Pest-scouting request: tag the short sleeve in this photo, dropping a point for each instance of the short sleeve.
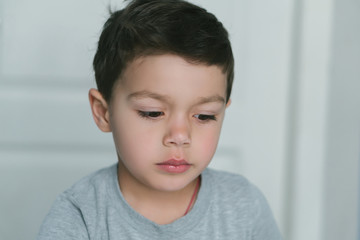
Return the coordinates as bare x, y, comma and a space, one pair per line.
64, 221
264, 225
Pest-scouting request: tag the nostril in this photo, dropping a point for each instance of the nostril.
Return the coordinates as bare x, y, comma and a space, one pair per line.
178, 134
178, 141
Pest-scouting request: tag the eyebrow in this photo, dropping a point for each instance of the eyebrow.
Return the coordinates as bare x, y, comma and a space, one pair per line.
165, 98
215, 98
147, 94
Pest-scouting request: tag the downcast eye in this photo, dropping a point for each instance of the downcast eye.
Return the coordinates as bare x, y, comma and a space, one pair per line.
205, 117
150, 114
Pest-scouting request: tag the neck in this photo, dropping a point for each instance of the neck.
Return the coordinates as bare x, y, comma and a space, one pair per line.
157, 206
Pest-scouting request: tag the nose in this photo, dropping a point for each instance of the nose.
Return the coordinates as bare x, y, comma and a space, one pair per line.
178, 133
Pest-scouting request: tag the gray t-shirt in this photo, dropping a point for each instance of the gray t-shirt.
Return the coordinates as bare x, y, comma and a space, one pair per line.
227, 207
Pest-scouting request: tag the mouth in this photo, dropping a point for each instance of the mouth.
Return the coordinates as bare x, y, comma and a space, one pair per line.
174, 166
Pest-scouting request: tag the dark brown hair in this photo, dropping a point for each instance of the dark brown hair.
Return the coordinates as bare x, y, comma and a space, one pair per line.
152, 27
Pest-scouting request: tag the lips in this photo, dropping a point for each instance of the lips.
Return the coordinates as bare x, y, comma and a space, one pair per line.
174, 166
174, 162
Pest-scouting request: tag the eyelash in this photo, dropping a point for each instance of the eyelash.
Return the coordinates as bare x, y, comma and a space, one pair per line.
205, 117
154, 115
150, 115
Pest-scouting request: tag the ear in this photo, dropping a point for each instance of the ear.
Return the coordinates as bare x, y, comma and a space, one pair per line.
228, 103
100, 110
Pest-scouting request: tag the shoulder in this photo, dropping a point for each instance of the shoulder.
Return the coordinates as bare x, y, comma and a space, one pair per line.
223, 175
89, 191
235, 188
235, 194
94, 182
75, 209
226, 183
236, 198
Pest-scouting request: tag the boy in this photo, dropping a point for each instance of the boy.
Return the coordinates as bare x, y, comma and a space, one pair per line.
164, 71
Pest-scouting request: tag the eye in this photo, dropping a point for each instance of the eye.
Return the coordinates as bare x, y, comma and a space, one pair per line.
205, 117
151, 115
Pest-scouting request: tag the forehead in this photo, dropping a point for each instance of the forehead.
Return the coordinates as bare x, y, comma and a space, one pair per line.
159, 71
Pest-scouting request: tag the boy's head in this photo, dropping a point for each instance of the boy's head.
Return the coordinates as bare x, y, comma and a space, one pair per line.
164, 70
156, 27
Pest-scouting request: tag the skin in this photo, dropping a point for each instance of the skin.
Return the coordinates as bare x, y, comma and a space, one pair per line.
162, 108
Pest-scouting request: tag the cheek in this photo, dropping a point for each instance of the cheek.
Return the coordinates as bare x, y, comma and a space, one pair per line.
208, 141
210, 144
135, 141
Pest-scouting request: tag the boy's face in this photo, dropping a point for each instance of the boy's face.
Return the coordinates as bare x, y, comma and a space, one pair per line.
166, 116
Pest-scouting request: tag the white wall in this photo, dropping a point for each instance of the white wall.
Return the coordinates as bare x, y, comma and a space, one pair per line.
292, 129
47, 137
324, 187
343, 128
309, 140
